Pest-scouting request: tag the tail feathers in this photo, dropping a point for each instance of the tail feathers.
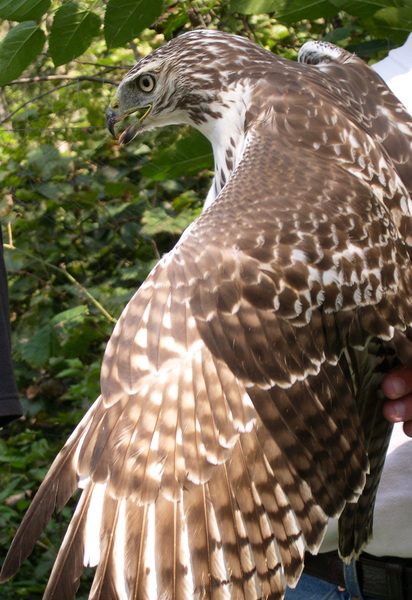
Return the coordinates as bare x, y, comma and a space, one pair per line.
109, 582
65, 576
356, 521
237, 536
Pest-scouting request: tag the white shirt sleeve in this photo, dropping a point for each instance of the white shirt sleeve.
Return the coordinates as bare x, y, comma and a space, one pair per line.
396, 71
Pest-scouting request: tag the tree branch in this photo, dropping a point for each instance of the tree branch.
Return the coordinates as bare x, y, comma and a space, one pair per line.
37, 79
63, 270
58, 87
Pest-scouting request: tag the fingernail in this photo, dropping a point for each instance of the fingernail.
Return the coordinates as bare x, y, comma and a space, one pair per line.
397, 386
398, 411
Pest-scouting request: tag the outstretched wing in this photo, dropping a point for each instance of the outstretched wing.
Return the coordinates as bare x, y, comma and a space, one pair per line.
232, 423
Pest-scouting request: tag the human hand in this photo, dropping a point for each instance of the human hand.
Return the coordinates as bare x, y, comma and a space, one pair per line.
397, 387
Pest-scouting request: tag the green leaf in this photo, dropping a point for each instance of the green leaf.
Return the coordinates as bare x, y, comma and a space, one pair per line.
371, 47
73, 28
158, 220
298, 10
36, 349
289, 11
69, 317
392, 23
187, 156
23, 10
256, 7
19, 48
362, 8
125, 19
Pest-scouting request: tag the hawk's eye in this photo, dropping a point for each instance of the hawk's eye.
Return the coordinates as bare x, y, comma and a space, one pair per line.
146, 83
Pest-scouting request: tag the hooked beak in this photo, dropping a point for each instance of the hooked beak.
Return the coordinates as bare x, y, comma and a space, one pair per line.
113, 117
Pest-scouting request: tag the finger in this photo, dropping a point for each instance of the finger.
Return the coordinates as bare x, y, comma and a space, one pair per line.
407, 427
398, 410
398, 383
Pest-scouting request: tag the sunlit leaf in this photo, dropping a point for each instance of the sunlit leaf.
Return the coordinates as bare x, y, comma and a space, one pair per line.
158, 220
257, 7
289, 11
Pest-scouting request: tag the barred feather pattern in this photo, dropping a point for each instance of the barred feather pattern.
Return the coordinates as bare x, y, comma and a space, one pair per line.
240, 405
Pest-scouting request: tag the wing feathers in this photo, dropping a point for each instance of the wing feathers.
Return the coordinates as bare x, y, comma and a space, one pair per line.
65, 576
234, 418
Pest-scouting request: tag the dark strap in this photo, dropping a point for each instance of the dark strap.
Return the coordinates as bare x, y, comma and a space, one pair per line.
387, 578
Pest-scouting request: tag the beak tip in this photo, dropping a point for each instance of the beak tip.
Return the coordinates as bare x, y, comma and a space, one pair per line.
111, 120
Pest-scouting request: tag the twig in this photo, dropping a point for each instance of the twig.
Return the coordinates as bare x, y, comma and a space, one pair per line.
135, 51
9, 233
58, 87
67, 275
248, 29
38, 78
41, 280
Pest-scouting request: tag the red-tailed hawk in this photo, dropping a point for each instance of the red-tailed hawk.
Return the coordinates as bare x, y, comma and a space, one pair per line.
240, 403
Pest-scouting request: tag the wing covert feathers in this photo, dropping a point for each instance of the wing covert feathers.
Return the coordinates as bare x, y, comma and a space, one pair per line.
239, 407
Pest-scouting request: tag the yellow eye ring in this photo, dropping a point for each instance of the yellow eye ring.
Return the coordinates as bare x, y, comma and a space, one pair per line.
146, 83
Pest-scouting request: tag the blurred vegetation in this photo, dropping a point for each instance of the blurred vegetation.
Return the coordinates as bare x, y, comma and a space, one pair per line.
83, 220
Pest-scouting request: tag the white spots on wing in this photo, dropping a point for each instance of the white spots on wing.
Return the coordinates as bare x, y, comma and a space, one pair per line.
339, 301
260, 240
357, 296
83, 481
320, 297
141, 337
93, 523
299, 256
167, 321
156, 397
406, 206
396, 276
297, 307
331, 276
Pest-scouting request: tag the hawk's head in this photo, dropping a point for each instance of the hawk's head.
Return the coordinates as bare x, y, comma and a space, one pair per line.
185, 81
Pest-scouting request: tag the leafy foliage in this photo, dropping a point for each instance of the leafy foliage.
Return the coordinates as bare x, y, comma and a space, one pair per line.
125, 20
74, 27
19, 48
84, 220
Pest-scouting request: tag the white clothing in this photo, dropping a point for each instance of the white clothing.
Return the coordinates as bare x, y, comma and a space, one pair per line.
396, 71
392, 524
